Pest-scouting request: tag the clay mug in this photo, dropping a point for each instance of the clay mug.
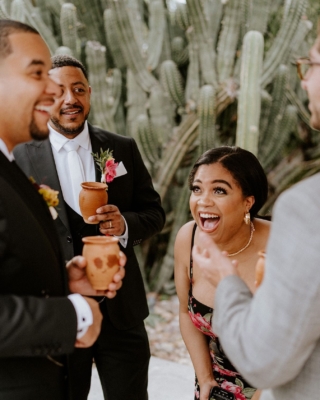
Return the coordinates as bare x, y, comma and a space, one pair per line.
259, 273
102, 255
92, 196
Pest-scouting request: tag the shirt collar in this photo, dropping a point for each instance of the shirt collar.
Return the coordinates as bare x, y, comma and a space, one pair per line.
5, 151
57, 140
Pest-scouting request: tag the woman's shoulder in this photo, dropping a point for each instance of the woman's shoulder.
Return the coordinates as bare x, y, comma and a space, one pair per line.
184, 236
185, 232
262, 230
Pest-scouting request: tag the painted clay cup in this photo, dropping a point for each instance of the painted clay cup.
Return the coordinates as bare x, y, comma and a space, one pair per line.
102, 254
92, 196
259, 273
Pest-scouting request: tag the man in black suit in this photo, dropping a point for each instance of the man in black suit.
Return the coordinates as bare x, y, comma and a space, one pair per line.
133, 214
39, 324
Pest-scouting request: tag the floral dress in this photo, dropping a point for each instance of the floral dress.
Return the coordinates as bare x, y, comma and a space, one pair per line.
224, 372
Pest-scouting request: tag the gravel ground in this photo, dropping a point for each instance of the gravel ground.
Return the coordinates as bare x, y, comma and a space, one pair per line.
163, 329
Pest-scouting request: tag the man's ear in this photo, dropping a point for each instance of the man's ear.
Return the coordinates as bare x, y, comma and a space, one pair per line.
90, 90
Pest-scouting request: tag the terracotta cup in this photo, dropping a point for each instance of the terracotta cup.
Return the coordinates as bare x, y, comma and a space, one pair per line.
102, 255
92, 196
260, 268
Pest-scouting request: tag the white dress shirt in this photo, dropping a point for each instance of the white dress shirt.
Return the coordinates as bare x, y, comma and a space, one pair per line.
81, 306
57, 141
5, 151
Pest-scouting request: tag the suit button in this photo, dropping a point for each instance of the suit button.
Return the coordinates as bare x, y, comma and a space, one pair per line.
69, 239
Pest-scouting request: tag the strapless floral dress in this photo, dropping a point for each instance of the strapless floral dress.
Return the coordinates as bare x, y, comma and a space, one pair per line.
224, 372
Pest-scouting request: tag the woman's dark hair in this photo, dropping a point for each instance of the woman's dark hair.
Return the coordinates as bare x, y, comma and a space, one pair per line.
245, 169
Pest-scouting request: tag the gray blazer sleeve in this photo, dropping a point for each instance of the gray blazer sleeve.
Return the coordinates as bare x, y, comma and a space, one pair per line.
270, 336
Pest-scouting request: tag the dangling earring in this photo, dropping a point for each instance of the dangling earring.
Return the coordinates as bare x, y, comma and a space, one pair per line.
247, 218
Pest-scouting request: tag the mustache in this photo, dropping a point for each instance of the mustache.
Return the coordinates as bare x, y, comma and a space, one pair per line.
66, 109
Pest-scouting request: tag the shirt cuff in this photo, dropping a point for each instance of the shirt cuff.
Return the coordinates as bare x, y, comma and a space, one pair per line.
84, 313
123, 239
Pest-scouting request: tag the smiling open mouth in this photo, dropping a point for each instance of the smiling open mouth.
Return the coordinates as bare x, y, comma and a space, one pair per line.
209, 221
71, 111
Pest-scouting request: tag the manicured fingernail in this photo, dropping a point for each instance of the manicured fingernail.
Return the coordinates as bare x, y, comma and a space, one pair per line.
91, 219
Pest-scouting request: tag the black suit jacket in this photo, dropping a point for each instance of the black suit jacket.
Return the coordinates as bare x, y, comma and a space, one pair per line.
132, 193
35, 319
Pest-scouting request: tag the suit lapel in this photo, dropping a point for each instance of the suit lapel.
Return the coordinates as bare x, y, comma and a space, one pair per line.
43, 164
97, 144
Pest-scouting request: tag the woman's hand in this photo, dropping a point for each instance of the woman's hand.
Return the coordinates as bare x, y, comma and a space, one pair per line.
205, 388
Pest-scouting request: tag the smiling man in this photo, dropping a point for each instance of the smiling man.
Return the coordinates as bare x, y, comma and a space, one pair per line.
133, 214
273, 337
39, 323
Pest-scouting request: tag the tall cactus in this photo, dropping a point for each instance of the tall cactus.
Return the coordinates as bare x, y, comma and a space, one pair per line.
207, 117
250, 97
68, 23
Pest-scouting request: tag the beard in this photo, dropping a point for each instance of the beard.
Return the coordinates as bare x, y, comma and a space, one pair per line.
69, 131
36, 133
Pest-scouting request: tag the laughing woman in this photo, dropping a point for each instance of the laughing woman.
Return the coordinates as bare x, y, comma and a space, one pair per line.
228, 188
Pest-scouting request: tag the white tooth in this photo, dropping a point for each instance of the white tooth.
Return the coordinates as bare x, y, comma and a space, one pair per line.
205, 215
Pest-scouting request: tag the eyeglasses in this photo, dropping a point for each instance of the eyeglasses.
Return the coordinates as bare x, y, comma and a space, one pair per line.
303, 66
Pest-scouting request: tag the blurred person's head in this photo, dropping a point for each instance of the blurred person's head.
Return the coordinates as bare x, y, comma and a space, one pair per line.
26, 91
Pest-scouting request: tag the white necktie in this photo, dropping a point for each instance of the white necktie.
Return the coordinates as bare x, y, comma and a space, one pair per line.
76, 172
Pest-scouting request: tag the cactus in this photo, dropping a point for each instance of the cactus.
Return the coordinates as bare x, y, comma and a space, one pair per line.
281, 45
68, 23
207, 117
111, 38
258, 15
179, 51
287, 125
157, 30
228, 40
147, 140
249, 97
172, 81
279, 102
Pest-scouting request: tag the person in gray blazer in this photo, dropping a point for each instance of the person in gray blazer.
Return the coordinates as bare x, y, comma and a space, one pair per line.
273, 337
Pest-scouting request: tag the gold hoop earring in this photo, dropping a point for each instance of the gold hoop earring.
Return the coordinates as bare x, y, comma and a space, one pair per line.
247, 218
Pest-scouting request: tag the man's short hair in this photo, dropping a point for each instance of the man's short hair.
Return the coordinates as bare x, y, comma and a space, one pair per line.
64, 60
7, 28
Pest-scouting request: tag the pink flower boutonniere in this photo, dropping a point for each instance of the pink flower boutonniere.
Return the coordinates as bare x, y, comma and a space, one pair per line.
49, 195
106, 164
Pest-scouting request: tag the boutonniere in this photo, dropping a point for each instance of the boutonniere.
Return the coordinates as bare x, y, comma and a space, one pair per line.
49, 195
106, 164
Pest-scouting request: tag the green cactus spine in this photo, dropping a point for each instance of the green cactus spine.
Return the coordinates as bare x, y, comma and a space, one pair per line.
287, 125
281, 45
147, 140
279, 102
182, 16
171, 80
129, 47
228, 39
207, 116
68, 24
156, 35
175, 151
110, 27
180, 54
247, 135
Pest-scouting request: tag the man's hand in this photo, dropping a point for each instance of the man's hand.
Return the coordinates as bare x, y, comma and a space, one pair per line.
213, 264
78, 281
110, 220
93, 331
